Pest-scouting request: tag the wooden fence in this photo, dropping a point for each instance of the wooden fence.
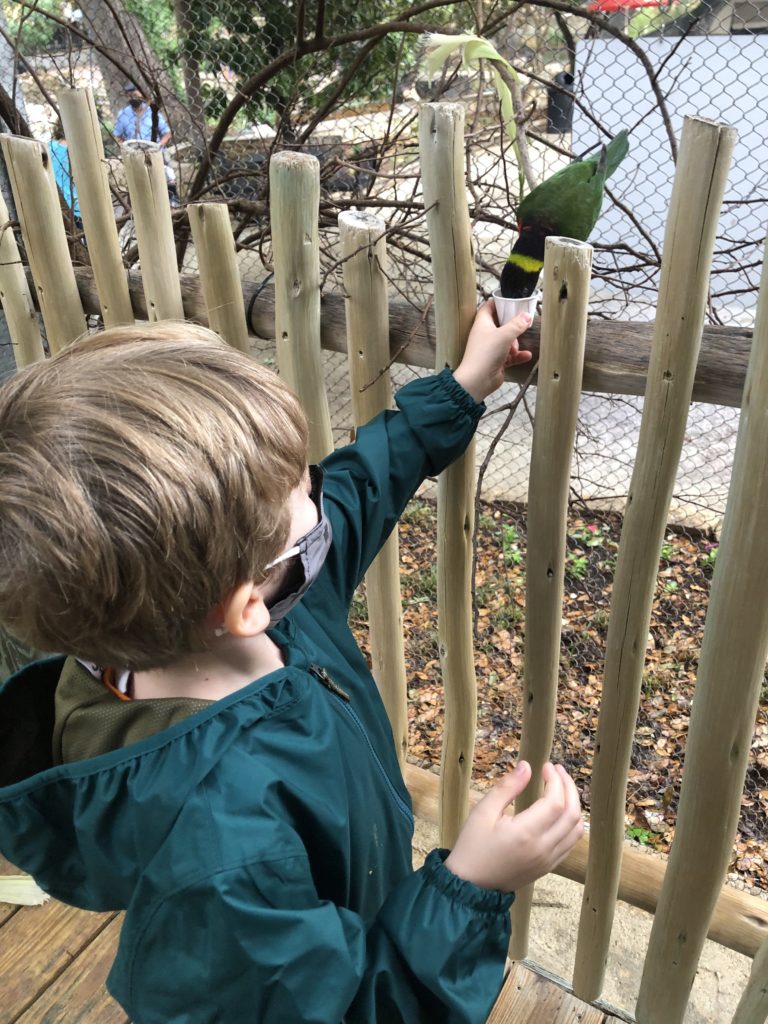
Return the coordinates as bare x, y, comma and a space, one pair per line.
687, 895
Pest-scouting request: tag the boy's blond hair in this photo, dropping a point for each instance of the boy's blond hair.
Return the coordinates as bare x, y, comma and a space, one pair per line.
144, 472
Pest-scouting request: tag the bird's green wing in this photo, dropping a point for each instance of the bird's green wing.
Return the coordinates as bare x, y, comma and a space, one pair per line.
568, 203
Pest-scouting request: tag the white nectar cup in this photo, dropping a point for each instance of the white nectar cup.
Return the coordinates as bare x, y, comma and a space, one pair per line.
507, 309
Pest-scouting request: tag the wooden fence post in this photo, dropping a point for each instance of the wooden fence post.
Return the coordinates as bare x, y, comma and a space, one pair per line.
294, 197
731, 668
86, 155
753, 1005
702, 168
441, 147
37, 205
19, 309
567, 273
219, 272
151, 212
364, 250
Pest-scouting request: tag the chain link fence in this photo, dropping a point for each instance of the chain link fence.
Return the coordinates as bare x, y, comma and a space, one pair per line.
226, 84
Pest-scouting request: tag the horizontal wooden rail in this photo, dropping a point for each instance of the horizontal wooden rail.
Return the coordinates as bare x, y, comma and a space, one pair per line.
615, 360
739, 921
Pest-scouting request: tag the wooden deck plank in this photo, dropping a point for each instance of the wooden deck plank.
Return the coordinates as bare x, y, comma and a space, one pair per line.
527, 998
36, 945
78, 994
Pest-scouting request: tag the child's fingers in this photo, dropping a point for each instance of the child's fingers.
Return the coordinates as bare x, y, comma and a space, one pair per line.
505, 791
486, 314
548, 809
514, 328
517, 355
572, 799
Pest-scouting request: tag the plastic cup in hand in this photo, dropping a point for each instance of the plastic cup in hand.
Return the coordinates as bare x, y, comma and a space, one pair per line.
507, 309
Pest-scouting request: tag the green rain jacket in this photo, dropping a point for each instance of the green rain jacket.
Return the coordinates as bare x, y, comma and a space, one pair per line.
261, 846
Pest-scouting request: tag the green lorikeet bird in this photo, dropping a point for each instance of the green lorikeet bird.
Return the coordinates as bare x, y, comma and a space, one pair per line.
566, 204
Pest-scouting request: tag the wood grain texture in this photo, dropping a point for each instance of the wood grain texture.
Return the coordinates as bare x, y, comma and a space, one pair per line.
364, 251
729, 679
294, 196
80, 120
37, 204
16, 298
528, 998
702, 169
566, 279
441, 150
615, 358
36, 945
219, 274
79, 994
151, 211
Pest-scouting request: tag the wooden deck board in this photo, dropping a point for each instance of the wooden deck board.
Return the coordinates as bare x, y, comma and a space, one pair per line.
527, 998
78, 994
54, 961
37, 944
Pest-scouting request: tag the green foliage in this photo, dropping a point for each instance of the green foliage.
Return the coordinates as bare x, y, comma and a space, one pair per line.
709, 560
590, 536
423, 585
652, 20
418, 513
358, 610
157, 20
576, 565
667, 552
641, 835
34, 31
246, 37
510, 545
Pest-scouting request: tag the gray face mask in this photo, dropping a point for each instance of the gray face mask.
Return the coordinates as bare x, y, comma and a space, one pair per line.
307, 554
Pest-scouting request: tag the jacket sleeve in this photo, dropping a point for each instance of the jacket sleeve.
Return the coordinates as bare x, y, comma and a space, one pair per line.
256, 944
369, 483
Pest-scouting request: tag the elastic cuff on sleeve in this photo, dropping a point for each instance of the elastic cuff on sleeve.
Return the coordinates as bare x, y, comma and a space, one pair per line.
466, 403
489, 901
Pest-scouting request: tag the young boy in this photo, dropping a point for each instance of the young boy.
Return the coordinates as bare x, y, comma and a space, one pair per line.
211, 754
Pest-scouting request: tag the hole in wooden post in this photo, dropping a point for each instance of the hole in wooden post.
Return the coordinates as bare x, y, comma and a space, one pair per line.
667, 375
563, 291
550, 573
555, 375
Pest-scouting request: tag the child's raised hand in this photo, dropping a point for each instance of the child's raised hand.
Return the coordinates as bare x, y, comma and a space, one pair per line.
490, 349
499, 851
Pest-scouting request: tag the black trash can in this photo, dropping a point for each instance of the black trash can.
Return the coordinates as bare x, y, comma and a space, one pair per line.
560, 103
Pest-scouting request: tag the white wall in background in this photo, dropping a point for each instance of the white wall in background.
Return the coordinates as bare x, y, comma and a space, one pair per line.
724, 78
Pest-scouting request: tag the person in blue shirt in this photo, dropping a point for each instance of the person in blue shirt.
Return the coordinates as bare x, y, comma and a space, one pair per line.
135, 121
209, 752
62, 172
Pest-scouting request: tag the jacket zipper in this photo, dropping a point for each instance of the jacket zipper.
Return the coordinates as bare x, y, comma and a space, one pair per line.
346, 703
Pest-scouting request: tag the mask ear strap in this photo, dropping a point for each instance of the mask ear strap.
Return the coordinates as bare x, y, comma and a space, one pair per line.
282, 558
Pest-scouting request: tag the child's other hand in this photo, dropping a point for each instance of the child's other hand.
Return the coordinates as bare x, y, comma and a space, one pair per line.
490, 349
498, 851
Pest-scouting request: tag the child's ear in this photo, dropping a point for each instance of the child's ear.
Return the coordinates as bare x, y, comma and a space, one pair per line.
244, 612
